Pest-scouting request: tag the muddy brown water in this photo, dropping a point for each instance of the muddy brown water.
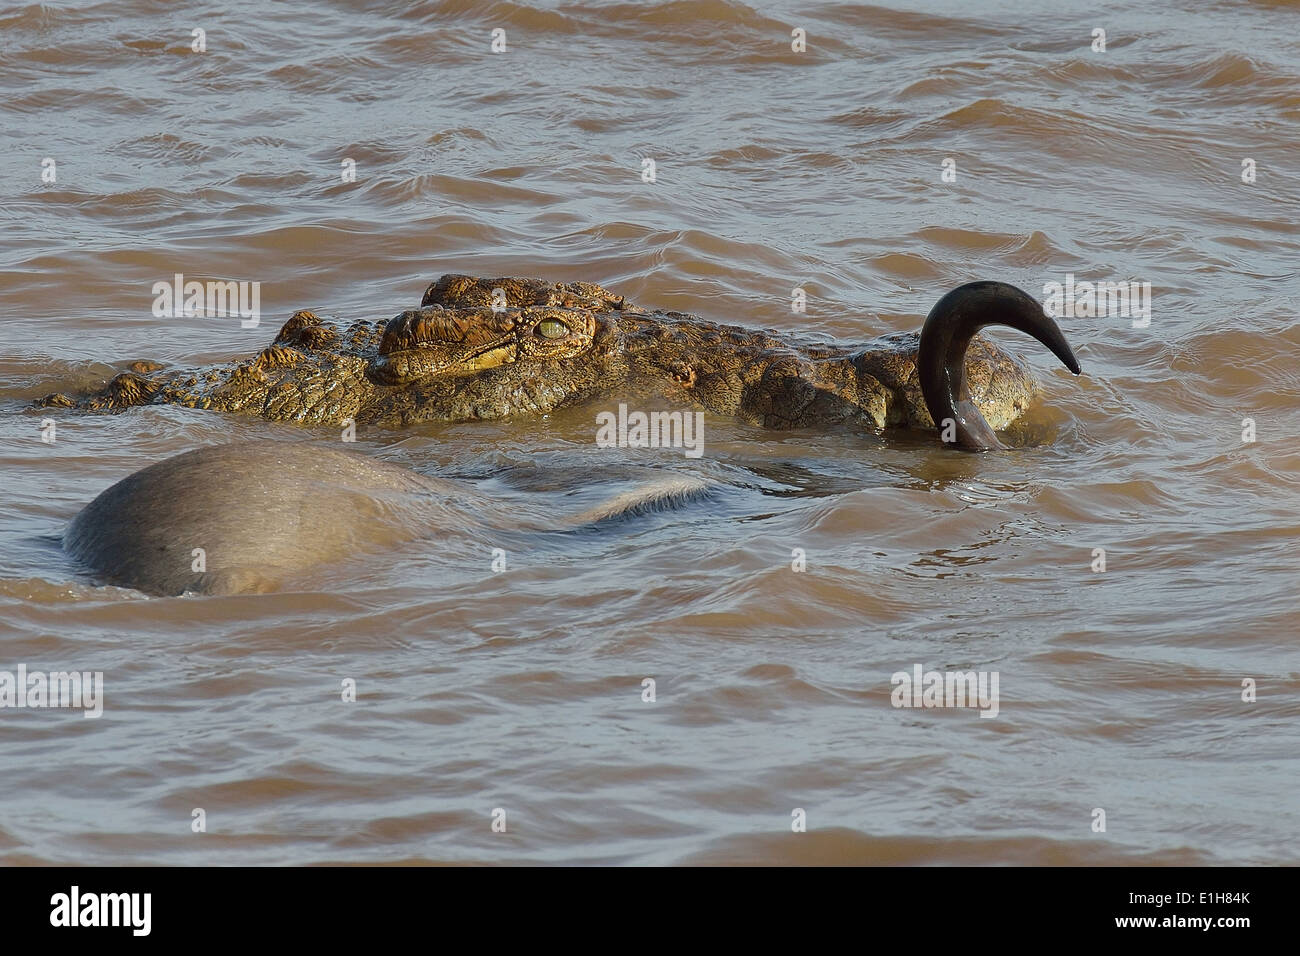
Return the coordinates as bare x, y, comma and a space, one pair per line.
1119, 690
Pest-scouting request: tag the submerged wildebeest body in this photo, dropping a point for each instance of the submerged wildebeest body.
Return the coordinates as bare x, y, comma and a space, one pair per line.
242, 517
253, 516
494, 348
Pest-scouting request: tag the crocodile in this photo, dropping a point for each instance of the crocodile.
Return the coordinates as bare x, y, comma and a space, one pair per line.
480, 348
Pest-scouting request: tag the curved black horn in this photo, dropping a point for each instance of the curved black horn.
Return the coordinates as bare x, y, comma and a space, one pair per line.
948, 329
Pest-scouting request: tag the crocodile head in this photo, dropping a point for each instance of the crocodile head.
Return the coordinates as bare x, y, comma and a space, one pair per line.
434, 341
490, 348
436, 364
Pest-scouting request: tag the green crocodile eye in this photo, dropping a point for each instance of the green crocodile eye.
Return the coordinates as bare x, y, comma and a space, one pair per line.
552, 329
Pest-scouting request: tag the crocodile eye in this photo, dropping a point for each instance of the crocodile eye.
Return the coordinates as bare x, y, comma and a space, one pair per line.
552, 329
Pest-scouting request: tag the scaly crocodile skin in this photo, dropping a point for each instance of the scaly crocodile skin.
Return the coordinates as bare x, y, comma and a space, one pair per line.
552, 345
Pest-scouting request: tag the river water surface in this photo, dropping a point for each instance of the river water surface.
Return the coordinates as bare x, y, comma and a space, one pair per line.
1169, 158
